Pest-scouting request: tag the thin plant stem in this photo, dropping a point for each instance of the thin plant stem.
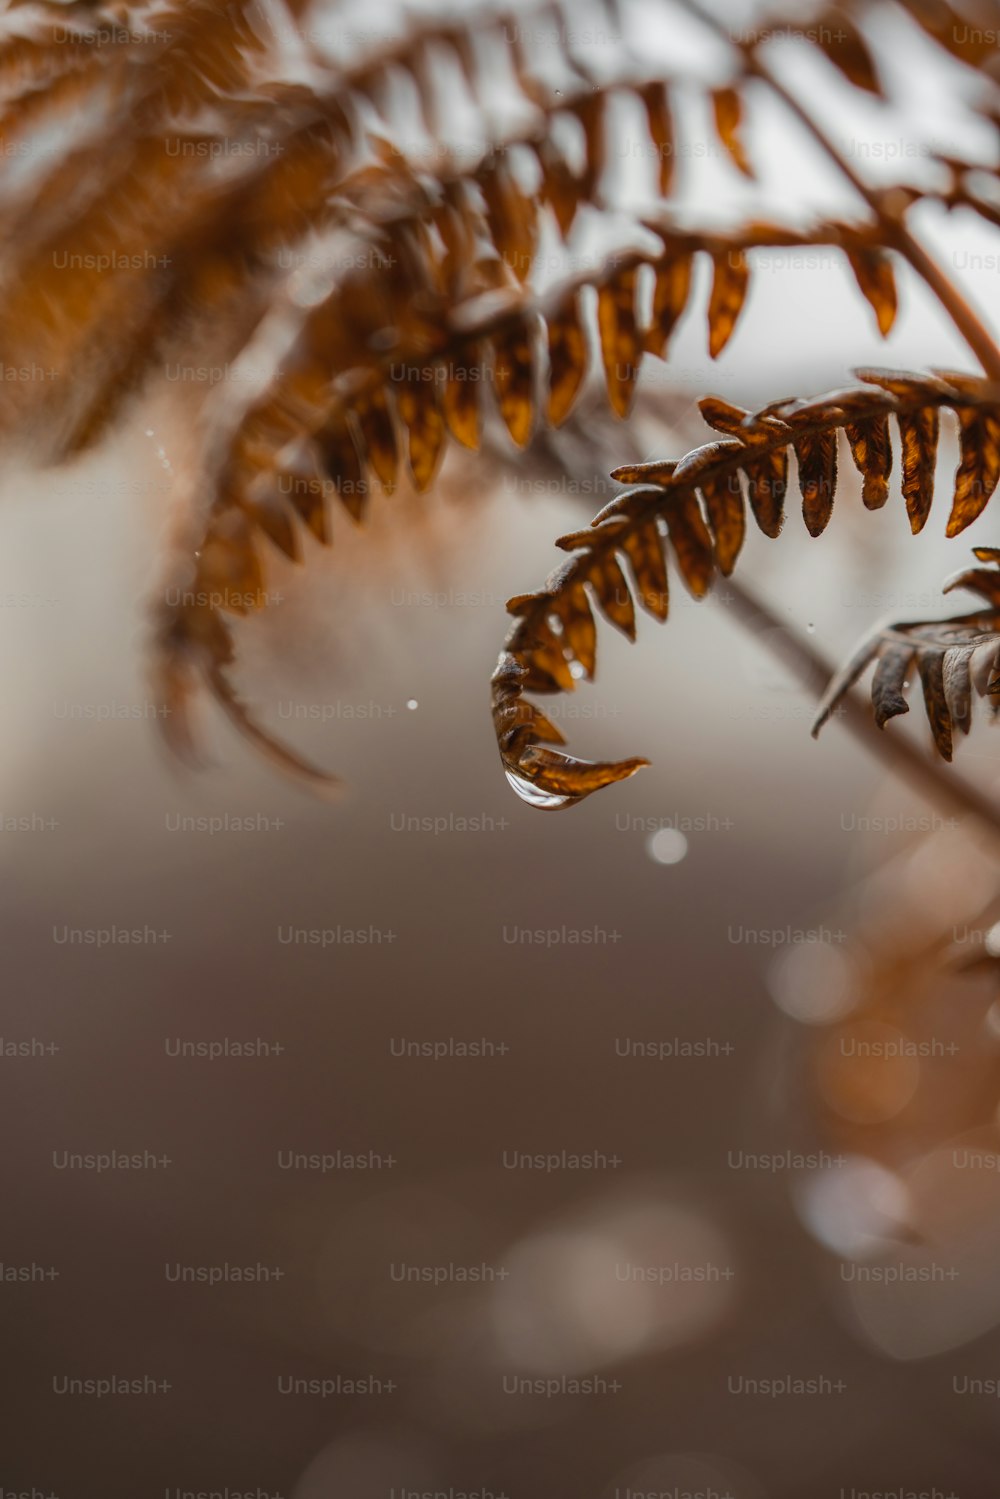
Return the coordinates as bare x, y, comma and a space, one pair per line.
897, 236
887, 208
814, 671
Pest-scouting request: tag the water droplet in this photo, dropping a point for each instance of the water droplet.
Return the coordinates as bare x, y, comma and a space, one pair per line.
811, 628
577, 670
548, 801
667, 846
412, 703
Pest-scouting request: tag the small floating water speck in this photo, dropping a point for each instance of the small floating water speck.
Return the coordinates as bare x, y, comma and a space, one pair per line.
412, 703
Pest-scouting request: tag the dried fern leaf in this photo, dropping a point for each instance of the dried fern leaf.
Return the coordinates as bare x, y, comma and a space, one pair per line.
727, 105
645, 551
817, 457
952, 657
656, 101
894, 662
918, 433
621, 343
511, 216
837, 36
662, 515
567, 357
723, 501
930, 664
874, 274
591, 111
871, 449
378, 433
979, 466
420, 412
514, 378
671, 291
730, 282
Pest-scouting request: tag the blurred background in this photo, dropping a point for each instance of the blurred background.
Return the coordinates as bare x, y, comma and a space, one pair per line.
645, 1148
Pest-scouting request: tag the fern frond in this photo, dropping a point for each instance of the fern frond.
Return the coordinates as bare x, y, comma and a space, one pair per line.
386, 364
951, 656
398, 358
215, 244
694, 511
759, 443
213, 72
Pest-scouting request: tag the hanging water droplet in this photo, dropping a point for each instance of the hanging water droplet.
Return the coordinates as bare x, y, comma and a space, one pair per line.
811, 628
548, 801
577, 670
412, 703
667, 846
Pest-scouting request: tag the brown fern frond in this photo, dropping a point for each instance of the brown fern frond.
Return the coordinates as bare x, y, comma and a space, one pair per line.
415, 336
212, 74
971, 43
217, 247
695, 512
951, 656
92, 256
387, 360
760, 443
175, 679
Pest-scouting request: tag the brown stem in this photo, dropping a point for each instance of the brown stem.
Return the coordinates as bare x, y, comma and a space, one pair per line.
925, 774
966, 320
889, 217
897, 236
